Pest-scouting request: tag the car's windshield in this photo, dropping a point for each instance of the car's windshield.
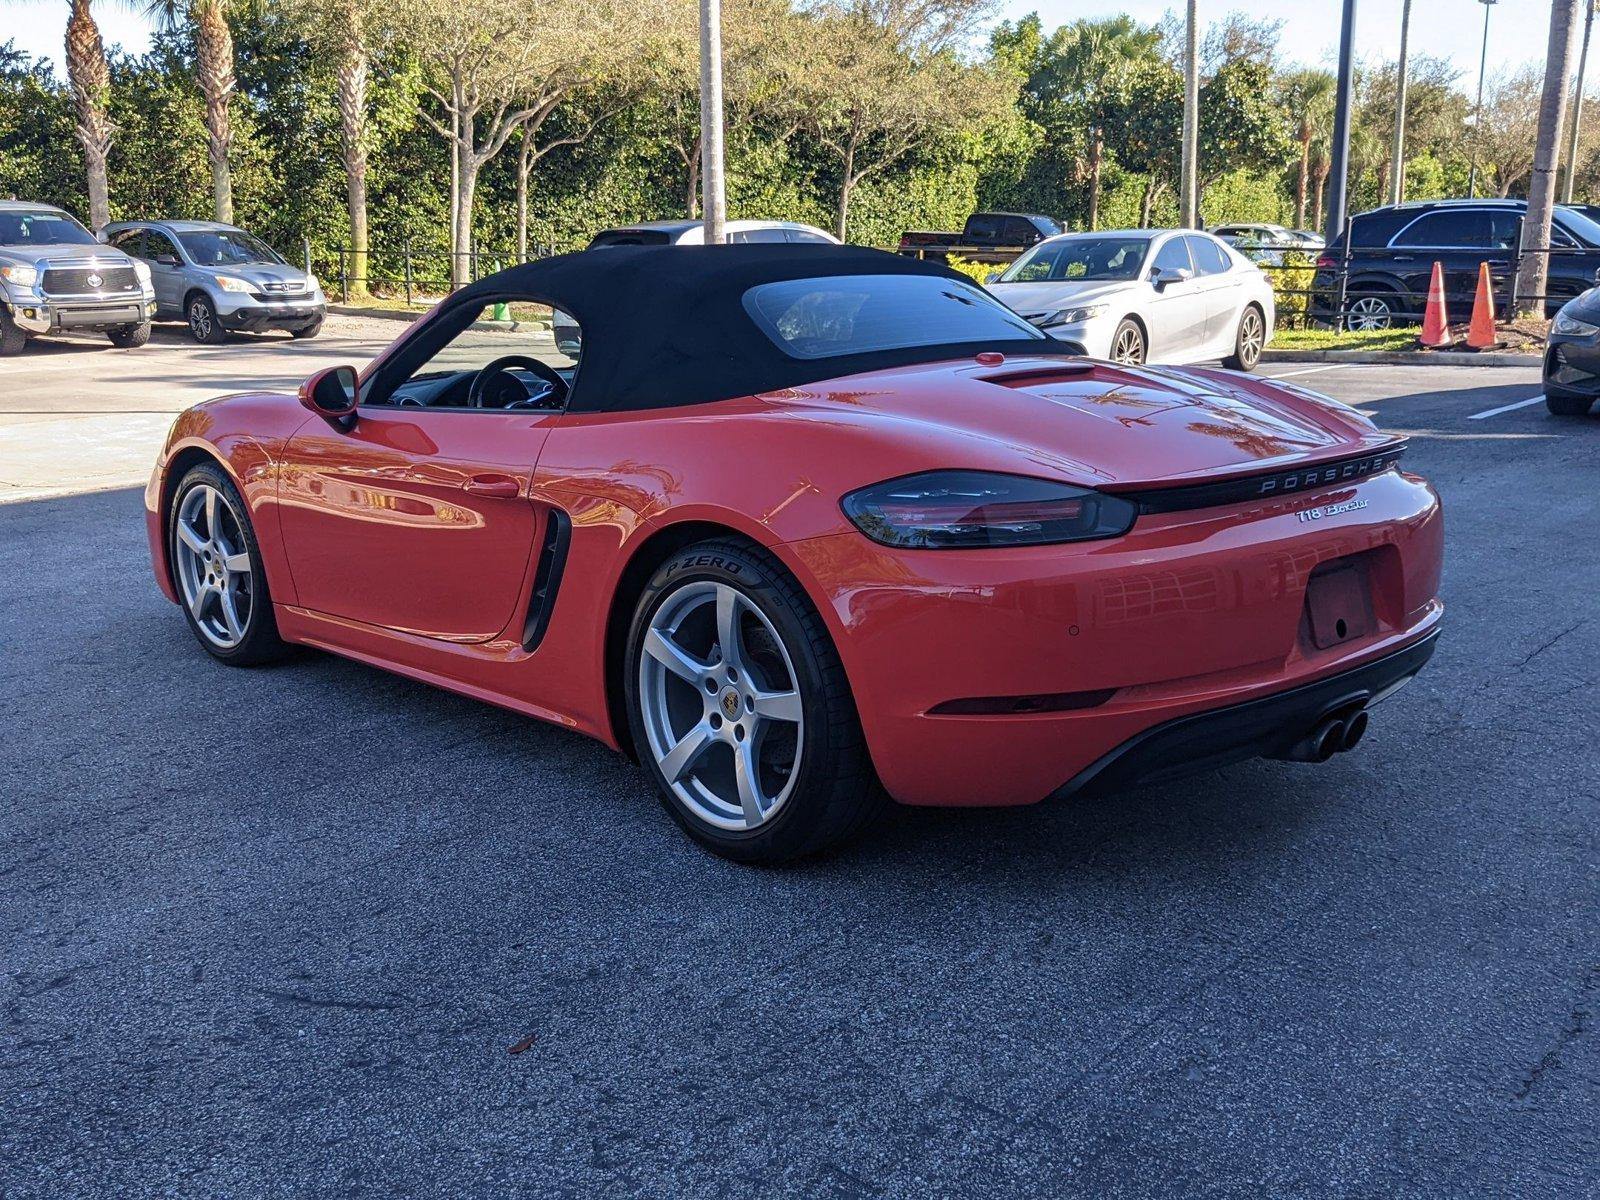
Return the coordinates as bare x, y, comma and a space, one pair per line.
1581, 226
226, 247
42, 228
1079, 258
858, 314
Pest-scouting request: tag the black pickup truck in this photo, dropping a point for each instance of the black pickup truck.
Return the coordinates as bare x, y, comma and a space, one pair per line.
989, 237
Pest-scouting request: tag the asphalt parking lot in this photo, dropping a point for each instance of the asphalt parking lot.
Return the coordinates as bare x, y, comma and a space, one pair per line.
277, 932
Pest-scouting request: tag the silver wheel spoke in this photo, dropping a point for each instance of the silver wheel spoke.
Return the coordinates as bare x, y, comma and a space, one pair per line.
678, 761
198, 605
211, 513
728, 627
230, 613
238, 564
778, 706
674, 657
190, 537
748, 780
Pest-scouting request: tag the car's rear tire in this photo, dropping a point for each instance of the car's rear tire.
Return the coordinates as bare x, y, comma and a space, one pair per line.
130, 337
752, 736
1128, 344
1368, 312
12, 339
1248, 341
204, 324
217, 571
1568, 404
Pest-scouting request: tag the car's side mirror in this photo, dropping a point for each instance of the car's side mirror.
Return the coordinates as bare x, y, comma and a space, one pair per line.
331, 394
1161, 276
1597, 277
992, 277
166, 260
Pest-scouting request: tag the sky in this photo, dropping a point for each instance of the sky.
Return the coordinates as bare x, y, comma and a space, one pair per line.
1451, 29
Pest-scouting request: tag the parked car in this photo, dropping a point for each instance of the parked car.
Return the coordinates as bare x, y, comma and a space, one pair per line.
221, 280
1393, 249
1572, 357
987, 237
852, 528
56, 278
1268, 245
693, 233
1310, 238
1137, 295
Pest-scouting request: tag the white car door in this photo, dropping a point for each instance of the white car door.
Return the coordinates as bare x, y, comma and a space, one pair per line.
1176, 311
1224, 292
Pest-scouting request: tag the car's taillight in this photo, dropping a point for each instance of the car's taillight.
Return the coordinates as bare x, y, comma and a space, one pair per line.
1325, 261
952, 510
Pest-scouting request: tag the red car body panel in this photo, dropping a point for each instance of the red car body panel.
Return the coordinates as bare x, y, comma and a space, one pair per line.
374, 547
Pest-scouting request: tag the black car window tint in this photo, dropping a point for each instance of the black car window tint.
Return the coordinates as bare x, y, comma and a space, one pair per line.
984, 229
1172, 256
159, 245
1209, 258
1447, 229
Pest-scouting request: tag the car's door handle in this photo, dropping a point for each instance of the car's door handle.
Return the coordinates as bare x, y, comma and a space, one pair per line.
1403, 258
501, 486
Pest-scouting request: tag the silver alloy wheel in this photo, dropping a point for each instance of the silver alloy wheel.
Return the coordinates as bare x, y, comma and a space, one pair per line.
213, 565
1252, 337
200, 318
1129, 346
1369, 313
721, 705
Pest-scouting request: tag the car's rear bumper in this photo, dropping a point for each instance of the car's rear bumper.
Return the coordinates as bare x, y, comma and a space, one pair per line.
1264, 727
1191, 612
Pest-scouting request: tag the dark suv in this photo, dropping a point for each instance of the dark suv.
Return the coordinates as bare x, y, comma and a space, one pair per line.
1393, 250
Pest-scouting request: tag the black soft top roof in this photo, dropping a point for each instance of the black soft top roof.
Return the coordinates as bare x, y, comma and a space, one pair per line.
665, 326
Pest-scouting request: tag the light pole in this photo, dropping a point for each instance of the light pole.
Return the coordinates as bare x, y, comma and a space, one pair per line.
1339, 174
1577, 104
1477, 120
1397, 165
1188, 185
713, 190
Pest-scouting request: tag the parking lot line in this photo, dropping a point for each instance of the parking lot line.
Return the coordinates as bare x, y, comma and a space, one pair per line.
1504, 408
1311, 370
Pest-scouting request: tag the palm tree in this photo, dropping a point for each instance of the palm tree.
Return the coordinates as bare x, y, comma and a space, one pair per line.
213, 54
1309, 94
90, 79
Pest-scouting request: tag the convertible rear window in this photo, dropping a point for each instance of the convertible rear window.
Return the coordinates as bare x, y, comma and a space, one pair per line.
860, 314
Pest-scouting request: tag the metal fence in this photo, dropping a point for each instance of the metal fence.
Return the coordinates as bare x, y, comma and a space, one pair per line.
413, 271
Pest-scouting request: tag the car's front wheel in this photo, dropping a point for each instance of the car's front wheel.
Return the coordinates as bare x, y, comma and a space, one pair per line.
740, 710
130, 337
1127, 343
203, 321
216, 567
12, 338
307, 331
1568, 404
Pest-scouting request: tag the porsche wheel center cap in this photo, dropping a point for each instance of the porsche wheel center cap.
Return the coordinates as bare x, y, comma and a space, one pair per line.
730, 704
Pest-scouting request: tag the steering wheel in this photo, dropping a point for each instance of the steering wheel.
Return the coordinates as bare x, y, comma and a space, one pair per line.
490, 371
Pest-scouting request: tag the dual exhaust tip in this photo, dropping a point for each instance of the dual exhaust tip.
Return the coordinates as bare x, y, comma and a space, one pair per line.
1330, 736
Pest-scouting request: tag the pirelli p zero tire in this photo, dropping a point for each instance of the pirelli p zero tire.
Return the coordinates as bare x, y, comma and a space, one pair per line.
216, 568
740, 710
130, 337
12, 338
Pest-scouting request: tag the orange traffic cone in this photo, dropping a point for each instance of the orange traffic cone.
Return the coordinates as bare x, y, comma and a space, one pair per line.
1435, 320
1480, 334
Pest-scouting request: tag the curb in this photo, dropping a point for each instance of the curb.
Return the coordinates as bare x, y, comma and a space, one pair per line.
1406, 358
390, 314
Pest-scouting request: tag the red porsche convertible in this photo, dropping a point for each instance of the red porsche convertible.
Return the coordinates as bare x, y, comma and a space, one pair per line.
811, 527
